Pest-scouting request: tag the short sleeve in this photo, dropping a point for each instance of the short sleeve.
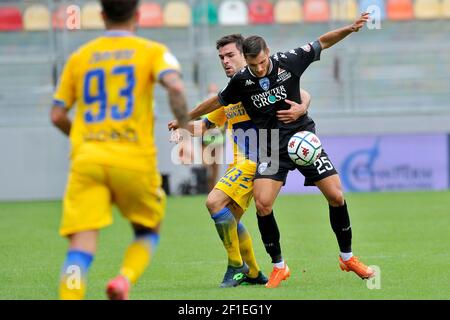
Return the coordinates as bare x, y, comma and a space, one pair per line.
299, 59
163, 61
217, 117
230, 94
65, 93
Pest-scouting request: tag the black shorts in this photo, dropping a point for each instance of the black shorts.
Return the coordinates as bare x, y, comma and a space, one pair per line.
320, 169
268, 169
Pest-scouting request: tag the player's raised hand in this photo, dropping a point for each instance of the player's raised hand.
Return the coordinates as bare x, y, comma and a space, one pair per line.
173, 125
175, 136
358, 24
293, 113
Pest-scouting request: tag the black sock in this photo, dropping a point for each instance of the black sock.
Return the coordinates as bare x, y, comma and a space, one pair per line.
270, 236
340, 223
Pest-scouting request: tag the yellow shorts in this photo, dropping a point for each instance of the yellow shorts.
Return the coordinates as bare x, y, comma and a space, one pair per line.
237, 183
92, 189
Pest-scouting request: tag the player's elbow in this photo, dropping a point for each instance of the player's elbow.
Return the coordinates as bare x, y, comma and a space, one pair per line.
57, 116
173, 83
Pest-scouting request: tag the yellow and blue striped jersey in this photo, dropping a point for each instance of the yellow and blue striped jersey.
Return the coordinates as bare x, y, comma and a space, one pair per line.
111, 81
236, 118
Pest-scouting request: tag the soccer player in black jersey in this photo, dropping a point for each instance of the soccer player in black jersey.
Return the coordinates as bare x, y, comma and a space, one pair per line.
264, 87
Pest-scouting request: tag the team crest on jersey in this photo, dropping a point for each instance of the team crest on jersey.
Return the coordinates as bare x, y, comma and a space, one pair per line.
264, 83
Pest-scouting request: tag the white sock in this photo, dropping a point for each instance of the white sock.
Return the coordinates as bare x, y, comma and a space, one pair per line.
346, 255
279, 265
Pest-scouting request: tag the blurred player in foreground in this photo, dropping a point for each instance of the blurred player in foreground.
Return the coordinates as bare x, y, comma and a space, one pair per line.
113, 156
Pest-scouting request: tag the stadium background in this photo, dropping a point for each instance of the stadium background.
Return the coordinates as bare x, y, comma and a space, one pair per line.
380, 98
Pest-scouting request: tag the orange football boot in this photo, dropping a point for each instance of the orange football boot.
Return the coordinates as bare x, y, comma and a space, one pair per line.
278, 275
353, 264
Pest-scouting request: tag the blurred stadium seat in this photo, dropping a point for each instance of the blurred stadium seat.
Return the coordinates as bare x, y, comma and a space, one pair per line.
10, 19
344, 10
316, 11
260, 12
400, 10
150, 15
288, 11
36, 18
59, 17
428, 9
446, 9
205, 12
91, 16
233, 13
365, 4
177, 14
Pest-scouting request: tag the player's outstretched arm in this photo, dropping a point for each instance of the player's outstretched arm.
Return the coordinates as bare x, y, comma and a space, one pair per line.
331, 38
175, 88
60, 119
197, 128
207, 106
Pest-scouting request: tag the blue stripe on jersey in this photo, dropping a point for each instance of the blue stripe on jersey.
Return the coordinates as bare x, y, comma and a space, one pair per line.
59, 103
166, 71
244, 147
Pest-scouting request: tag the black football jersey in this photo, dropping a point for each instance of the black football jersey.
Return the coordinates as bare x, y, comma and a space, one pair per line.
263, 97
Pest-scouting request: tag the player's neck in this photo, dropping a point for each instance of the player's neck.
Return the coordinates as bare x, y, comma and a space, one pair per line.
127, 27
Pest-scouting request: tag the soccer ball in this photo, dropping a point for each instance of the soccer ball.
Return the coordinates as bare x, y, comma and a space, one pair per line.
304, 148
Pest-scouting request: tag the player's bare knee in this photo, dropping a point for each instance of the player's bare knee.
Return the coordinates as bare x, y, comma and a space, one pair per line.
263, 207
213, 205
336, 199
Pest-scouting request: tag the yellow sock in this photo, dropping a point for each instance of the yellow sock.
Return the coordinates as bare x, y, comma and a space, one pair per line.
137, 258
246, 249
227, 229
70, 289
72, 283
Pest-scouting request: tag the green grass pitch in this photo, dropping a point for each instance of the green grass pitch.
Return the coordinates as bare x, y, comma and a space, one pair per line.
407, 235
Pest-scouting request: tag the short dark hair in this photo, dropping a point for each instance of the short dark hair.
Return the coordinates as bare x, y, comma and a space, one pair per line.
253, 45
236, 38
119, 10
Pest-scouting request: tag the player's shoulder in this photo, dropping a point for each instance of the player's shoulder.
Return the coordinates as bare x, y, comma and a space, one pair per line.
242, 75
150, 44
285, 56
85, 48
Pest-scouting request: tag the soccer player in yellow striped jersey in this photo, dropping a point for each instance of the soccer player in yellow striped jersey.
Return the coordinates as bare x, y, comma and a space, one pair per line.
113, 152
232, 194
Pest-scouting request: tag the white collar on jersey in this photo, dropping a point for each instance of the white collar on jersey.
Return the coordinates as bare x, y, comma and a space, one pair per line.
270, 69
